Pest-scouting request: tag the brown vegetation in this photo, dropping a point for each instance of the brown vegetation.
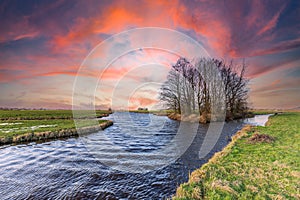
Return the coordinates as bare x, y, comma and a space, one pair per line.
255, 138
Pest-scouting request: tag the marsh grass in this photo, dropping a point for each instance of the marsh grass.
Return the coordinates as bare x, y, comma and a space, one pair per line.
260, 170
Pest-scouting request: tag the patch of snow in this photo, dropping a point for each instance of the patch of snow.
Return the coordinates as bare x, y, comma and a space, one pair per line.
6, 124
42, 126
8, 130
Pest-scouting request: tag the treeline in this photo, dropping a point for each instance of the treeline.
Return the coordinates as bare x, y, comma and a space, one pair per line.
204, 85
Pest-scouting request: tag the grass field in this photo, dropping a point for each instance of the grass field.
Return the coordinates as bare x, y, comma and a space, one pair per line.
42, 114
11, 128
252, 170
15, 123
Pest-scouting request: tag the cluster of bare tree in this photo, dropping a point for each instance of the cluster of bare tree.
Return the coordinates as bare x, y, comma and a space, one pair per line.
204, 85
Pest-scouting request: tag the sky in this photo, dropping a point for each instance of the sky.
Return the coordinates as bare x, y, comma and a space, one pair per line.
44, 44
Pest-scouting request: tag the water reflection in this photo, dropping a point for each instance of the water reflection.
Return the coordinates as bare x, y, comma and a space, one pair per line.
258, 120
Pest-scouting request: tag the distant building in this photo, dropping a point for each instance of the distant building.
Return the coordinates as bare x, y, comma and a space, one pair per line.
146, 109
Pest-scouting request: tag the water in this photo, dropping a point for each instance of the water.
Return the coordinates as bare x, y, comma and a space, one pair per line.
258, 120
68, 169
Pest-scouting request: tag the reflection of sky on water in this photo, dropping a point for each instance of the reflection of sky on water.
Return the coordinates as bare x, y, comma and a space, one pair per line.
258, 120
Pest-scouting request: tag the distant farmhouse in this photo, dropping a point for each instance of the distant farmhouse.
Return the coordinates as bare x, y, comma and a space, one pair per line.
144, 109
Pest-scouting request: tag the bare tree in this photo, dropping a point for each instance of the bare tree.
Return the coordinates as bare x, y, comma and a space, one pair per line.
235, 86
207, 83
171, 91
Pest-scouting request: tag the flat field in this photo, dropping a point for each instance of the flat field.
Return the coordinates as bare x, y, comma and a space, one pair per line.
23, 122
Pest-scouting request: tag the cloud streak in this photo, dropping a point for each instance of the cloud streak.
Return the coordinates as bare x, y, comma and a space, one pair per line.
51, 39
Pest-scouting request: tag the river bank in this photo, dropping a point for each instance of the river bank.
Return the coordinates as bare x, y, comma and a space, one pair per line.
52, 134
259, 162
19, 126
154, 112
206, 118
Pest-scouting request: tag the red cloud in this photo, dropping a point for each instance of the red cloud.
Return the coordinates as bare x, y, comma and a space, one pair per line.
59, 73
275, 82
279, 47
282, 84
142, 101
257, 69
27, 35
225, 29
114, 73
119, 16
271, 24
225, 32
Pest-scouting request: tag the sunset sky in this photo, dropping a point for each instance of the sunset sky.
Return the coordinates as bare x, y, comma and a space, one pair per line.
43, 44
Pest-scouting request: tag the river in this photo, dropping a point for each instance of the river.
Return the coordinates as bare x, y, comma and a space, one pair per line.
67, 169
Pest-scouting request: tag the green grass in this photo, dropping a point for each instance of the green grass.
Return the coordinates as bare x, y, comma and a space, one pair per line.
19, 122
140, 111
265, 111
252, 170
162, 111
10, 128
165, 112
41, 114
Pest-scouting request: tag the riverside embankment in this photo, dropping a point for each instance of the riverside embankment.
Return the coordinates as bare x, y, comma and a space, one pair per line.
19, 126
33, 136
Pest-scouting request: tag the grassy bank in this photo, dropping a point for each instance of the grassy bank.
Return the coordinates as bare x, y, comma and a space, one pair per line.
155, 112
264, 112
11, 128
32, 125
259, 163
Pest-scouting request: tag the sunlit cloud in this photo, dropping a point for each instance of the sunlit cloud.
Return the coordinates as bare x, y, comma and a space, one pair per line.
45, 42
